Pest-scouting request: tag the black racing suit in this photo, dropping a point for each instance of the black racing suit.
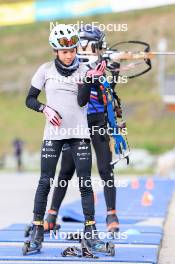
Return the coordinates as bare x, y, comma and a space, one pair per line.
104, 157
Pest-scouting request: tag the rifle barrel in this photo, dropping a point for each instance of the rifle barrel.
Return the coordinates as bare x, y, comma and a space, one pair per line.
116, 56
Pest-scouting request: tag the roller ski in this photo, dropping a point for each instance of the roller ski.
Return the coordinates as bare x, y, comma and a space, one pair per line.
89, 249
112, 222
50, 222
93, 243
36, 233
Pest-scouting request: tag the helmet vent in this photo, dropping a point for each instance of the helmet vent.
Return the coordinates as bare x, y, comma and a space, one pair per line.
61, 32
54, 45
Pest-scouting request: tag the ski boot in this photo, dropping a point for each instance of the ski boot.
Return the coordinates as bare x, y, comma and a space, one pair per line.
36, 233
92, 242
50, 221
112, 222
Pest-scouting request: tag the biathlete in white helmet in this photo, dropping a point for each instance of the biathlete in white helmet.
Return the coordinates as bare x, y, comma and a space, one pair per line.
65, 111
92, 44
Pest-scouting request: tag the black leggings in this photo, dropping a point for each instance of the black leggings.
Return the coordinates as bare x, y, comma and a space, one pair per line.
82, 159
104, 157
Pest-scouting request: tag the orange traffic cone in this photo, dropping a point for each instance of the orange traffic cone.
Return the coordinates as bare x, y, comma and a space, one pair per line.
135, 184
147, 199
149, 184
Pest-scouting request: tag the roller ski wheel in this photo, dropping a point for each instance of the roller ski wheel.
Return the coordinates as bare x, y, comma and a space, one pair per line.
112, 224
50, 222
36, 233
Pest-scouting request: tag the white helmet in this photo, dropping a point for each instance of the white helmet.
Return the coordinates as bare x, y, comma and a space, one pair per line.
63, 37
